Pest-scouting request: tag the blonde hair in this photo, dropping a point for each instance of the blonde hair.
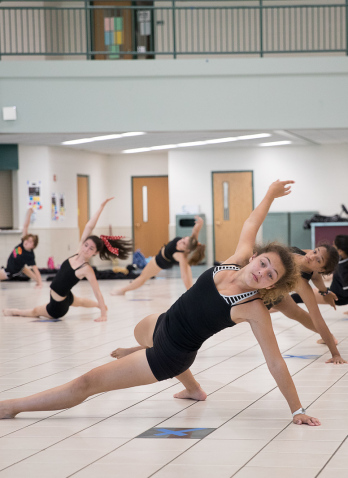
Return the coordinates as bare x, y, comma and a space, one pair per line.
288, 280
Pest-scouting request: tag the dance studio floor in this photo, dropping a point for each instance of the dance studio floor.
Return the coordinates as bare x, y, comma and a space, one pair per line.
242, 430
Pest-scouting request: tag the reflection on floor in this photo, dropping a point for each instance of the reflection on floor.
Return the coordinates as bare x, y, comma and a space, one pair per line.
253, 435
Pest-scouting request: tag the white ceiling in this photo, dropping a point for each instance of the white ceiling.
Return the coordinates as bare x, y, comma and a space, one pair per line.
116, 146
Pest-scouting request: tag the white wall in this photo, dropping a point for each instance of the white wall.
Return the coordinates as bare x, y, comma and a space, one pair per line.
40, 163
320, 173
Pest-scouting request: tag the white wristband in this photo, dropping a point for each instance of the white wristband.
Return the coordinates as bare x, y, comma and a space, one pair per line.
300, 411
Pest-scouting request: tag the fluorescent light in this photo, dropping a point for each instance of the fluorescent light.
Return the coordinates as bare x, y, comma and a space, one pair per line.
276, 143
198, 143
103, 138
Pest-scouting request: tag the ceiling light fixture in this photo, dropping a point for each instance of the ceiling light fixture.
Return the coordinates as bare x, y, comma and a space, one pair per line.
276, 143
198, 143
103, 138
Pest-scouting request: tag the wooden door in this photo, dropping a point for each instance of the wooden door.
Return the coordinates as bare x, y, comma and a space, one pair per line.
82, 202
113, 30
233, 202
150, 213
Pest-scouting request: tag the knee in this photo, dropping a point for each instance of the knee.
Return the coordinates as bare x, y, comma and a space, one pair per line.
83, 384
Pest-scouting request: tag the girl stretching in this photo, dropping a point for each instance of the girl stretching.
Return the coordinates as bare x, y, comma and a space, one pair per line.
22, 258
337, 293
223, 296
76, 268
185, 251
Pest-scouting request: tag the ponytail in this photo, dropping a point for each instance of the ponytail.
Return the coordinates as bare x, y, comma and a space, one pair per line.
109, 247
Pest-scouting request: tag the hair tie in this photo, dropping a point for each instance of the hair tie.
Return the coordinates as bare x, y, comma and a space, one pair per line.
105, 239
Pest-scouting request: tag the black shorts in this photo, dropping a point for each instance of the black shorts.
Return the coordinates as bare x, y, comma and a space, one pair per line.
166, 360
58, 309
162, 262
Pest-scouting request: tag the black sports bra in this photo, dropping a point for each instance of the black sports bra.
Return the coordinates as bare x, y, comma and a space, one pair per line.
66, 278
234, 299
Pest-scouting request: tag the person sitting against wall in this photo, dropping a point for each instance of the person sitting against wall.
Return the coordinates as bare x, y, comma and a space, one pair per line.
22, 258
185, 251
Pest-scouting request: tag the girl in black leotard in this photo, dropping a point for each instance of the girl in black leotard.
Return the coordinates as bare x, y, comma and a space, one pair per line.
322, 260
338, 289
222, 297
76, 268
185, 251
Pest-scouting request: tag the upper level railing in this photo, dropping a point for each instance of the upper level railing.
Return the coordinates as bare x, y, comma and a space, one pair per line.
150, 29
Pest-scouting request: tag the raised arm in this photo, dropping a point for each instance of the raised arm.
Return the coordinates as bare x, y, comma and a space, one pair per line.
252, 224
27, 221
93, 221
197, 227
263, 331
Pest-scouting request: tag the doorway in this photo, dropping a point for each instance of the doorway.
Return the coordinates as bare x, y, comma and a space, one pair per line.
232, 204
82, 201
150, 213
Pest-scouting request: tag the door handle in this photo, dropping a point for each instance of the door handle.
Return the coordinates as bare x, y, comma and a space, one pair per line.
137, 224
218, 223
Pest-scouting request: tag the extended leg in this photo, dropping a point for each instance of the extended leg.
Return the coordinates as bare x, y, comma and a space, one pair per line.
150, 270
192, 390
39, 311
131, 371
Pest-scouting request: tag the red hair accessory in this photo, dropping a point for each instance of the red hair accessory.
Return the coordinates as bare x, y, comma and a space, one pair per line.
105, 239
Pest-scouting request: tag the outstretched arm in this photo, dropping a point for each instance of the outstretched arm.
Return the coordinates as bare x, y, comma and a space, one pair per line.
27, 221
185, 271
308, 297
197, 227
93, 221
252, 224
90, 276
329, 297
263, 331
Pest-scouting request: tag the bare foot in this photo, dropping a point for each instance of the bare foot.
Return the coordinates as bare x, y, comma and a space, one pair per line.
119, 353
8, 312
321, 341
5, 410
117, 292
101, 319
346, 313
197, 394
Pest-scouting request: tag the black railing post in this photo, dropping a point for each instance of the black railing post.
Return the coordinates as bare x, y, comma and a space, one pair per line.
347, 27
174, 28
261, 29
88, 26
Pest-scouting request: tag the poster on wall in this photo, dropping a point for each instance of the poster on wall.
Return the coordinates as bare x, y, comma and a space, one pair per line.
61, 207
34, 197
54, 208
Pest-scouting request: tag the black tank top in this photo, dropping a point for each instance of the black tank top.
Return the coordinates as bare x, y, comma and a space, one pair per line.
65, 279
170, 249
201, 312
305, 275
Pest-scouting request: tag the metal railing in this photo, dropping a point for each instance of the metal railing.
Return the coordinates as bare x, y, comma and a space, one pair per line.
173, 29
